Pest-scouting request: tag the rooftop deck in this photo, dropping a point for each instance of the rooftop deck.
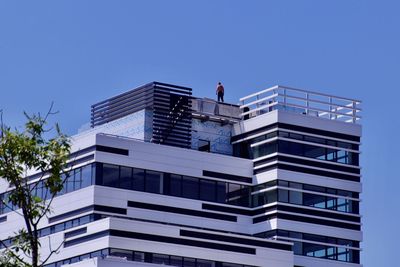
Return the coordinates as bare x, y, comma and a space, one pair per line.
300, 101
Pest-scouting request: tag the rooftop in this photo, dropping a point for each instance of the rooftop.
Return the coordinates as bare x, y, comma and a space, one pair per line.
300, 101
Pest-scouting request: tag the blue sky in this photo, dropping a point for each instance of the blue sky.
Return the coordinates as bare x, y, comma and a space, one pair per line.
77, 53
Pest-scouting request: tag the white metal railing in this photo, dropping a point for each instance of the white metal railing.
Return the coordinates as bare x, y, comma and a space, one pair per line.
300, 101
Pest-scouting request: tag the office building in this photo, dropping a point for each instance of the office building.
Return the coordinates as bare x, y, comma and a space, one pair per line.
165, 178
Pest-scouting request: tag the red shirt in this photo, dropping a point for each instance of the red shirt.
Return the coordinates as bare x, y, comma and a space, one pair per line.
220, 88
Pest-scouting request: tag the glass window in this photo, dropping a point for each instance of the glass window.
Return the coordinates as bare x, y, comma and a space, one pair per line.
295, 149
77, 179
138, 256
270, 135
264, 149
314, 188
125, 178
221, 192
190, 187
205, 263
331, 253
343, 254
208, 190
283, 134
95, 254
84, 220
344, 145
298, 248
110, 175
189, 262
84, 256
258, 139
283, 233
175, 187
258, 199
343, 204
283, 183
39, 190
331, 203
176, 261
296, 136
45, 231
314, 250
86, 176
314, 152
244, 199
94, 166
121, 253
342, 156
314, 200
160, 259
59, 227
68, 224
138, 179
233, 190
75, 222
314, 139
283, 195
353, 158
331, 143
69, 184
296, 197
271, 196
330, 154
153, 182
225, 264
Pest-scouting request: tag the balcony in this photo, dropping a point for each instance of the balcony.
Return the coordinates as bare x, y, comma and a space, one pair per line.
300, 101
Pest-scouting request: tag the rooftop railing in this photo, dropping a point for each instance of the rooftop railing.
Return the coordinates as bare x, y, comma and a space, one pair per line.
300, 101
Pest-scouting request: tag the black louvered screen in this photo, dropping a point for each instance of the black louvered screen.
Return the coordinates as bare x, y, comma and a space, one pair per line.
171, 107
172, 117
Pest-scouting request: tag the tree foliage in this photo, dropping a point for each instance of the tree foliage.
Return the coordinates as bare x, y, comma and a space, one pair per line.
23, 152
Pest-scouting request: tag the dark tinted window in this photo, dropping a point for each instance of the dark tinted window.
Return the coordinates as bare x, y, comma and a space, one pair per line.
221, 192
190, 187
175, 187
77, 179
138, 179
121, 253
86, 176
208, 190
110, 175
160, 259
283, 195
126, 177
153, 182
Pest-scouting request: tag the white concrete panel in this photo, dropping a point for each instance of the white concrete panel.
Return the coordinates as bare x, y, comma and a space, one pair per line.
319, 123
171, 159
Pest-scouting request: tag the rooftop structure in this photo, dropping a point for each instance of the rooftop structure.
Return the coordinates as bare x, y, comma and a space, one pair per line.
165, 178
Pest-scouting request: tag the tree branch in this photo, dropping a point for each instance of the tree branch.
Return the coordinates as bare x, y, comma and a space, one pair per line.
9, 250
55, 251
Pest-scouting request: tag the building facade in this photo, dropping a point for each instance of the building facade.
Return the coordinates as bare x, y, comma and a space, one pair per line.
165, 178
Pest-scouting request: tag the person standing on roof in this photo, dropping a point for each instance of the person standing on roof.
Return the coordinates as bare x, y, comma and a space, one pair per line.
220, 92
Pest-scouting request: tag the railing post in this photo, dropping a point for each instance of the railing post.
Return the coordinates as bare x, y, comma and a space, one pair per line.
284, 98
258, 104
354, 112
330, 107
307, 102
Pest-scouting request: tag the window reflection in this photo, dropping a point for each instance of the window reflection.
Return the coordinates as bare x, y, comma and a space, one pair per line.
244, 149
148, 257
325, 251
